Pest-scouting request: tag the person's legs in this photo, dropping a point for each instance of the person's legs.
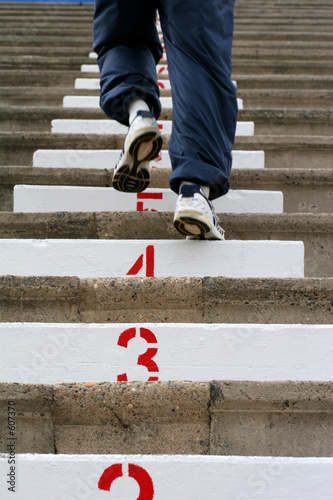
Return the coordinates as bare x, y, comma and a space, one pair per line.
128, 47
198, 39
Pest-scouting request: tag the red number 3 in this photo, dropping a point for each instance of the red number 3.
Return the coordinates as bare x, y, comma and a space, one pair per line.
145, 359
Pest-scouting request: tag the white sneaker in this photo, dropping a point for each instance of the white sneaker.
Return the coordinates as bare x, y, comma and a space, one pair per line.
195, 216
143, 143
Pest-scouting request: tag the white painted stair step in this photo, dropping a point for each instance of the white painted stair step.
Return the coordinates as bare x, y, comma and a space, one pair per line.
106, 159
28, 198
161, 69
46, 353
160, 258
166, 477
92, 102
93, 55
79, 126
94, 84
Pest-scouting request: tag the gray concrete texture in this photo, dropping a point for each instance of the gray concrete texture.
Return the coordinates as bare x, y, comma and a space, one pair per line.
183, 300
220, 418
315, 230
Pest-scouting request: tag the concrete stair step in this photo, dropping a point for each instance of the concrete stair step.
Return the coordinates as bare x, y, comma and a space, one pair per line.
272, 121
239, 52
241, 19
17, 148
92, 102
65, 43
30, 38
315, 231
151, 258
106, 159
103, 199
246, 82
219, 418
252, 98
36, 78
177, 477
304, 190
262, 67
175, 300
112, 127
52, 353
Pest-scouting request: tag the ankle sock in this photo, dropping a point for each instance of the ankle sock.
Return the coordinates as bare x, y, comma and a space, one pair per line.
205, 189
135, 105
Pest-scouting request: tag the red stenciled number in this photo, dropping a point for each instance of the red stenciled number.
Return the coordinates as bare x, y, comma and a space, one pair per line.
161, 85
109, 475
145, 359
150, 263
147, 196
136, 472
144, 480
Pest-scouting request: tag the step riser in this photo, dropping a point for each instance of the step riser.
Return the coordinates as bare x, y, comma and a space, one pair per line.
108, 158
116, 259
168, 477
196, 300
178, 352
84, 199
254, 82
92, 102
250, 100
304, 191
111, 127
220, 418
314, 153
291, 99
315, 231
252, 67
267, 121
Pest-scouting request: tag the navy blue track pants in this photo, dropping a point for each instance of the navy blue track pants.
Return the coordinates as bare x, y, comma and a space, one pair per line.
198, 40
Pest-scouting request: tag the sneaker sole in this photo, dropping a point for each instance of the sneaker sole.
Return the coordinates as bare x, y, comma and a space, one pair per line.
129, 177
185, 224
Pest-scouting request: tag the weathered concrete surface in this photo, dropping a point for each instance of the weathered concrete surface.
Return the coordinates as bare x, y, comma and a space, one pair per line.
31, 407
267, 121
272, 418
315, 230
17, 148
39, 299
220, 418
304, 190
161, 417
183, 300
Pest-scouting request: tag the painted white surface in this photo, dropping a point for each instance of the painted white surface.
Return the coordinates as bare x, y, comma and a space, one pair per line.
42, 353
92, 102
173, 477
115, 258
101, 159
161, 69
78, 126
94, 84
93, 55
29, 198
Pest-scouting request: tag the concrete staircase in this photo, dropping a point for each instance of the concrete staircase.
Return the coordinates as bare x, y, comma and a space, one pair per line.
99, 294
